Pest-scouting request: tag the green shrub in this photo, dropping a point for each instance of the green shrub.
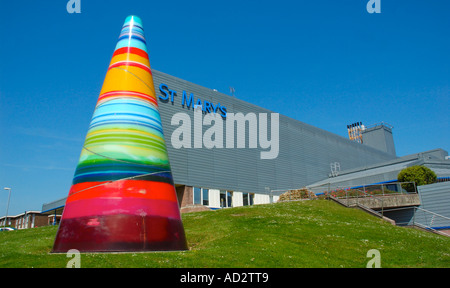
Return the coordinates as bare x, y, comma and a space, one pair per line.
420, 175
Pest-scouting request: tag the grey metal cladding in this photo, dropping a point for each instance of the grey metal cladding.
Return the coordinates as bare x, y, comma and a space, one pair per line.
435, 198
305, 151
379, 137
53, 205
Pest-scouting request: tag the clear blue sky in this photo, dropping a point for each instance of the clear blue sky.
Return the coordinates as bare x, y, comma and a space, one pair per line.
326, 63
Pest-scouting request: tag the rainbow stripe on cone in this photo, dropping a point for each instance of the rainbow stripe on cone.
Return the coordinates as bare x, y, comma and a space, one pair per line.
123, 197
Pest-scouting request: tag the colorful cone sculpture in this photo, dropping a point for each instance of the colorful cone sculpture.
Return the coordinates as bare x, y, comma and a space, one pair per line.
123, 197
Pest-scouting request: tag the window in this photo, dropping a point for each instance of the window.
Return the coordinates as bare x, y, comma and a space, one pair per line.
229, 199
223, 198
205, 195
226, 198
201, 196
247, 198
197, 196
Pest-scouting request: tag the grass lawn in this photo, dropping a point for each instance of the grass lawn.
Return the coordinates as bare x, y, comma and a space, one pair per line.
316, 233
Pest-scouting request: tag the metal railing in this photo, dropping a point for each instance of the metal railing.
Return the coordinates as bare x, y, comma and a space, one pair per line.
383, 189
352, 195
375, 191
422, 218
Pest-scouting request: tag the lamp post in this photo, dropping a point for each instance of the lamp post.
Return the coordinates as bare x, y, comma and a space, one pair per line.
7, 206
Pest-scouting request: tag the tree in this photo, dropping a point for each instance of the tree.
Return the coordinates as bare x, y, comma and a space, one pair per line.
420, 175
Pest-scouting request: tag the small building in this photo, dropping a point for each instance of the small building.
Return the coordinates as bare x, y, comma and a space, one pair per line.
26, 220
8, 221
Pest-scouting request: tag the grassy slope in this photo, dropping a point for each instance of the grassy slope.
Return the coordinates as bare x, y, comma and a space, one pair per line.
296, 234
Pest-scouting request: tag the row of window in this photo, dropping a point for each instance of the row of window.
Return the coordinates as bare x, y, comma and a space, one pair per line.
201, 196
21, 222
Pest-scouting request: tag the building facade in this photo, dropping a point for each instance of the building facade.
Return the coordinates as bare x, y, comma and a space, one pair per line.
303, 155
225, 152
26, 220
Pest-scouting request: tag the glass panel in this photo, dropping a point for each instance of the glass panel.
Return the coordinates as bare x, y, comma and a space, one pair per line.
245, 199
205, 197
252, 198
223, 199
392, 187
197, 196
229, 199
